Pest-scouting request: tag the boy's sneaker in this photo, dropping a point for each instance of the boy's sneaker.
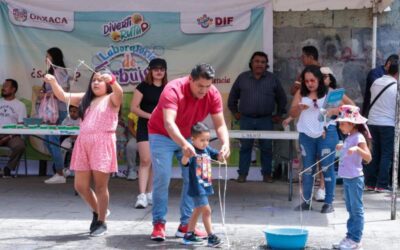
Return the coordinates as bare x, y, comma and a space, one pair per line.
320, 195
56, 179
149, 197
327, 208
369, 188
141, 201
349, 244
6, 173
303, 206
183, 229
158, 233
66, 172
214, 241
132, 175
99, 229
191, 239
337, 245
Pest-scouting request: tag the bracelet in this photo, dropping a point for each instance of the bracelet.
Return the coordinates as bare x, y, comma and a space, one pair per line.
113, 79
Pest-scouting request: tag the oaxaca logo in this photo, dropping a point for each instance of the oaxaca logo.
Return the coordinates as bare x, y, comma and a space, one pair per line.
127, 62
204, 21
128, 28
20, 15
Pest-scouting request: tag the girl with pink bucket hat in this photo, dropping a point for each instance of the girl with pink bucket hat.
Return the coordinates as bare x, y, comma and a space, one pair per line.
353, 151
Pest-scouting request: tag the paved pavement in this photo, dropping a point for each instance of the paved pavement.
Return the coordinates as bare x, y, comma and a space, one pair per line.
38, 216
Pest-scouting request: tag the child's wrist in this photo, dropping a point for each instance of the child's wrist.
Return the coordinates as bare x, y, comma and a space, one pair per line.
113, 80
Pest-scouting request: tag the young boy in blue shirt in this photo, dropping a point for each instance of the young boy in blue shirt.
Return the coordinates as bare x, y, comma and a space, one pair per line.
200, 186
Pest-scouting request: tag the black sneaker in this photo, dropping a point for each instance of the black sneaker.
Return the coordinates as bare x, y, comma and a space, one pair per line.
303, 206
6, 173
99, 229
191, 239
94, 220
214, 241
327, 208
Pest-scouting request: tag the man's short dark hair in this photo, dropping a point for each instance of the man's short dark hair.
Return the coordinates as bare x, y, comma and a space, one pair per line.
14, 83
203, 70
199, 128
393, 59
311, 51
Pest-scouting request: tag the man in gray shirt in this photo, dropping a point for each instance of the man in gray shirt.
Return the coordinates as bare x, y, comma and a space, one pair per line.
252, 101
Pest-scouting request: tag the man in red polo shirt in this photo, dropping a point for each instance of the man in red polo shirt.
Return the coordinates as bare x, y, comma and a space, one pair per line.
183, 102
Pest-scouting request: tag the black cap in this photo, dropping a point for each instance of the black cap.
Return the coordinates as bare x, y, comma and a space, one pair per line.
158, 63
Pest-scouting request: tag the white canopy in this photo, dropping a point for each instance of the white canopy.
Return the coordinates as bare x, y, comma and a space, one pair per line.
303, 5
171, 5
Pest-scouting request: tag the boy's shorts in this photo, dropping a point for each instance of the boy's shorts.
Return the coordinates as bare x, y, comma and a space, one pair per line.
200, 201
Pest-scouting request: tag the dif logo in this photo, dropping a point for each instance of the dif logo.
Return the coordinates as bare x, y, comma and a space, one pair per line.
206, 21
223, 21
20, 15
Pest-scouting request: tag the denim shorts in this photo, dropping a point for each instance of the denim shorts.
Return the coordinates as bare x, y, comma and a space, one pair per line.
200, 201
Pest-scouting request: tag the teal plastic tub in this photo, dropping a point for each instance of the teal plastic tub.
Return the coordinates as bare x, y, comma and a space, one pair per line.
286, 238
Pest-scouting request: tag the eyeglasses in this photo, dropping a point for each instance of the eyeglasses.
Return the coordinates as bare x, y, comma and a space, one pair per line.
315, 103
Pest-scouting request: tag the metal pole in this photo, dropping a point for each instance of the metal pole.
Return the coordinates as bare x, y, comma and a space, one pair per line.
374, 39
395, 156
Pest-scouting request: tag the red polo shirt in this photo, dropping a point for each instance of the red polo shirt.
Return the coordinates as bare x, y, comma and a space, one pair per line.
177, 96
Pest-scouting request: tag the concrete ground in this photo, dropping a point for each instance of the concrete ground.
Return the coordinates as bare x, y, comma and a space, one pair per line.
38, 216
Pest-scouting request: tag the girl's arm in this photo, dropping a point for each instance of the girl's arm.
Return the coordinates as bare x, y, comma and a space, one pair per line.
60, 93
135, 105
363, 150
117, 94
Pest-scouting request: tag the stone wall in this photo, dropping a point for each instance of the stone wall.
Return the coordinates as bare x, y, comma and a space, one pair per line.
343, 39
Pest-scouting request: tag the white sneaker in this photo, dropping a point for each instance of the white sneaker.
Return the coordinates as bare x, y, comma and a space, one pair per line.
141, 201
149, 197
56, 179
132, 175
320, 195
349, 244
337, 245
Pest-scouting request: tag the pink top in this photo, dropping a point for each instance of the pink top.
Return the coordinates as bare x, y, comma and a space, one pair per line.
177, 96
99, 119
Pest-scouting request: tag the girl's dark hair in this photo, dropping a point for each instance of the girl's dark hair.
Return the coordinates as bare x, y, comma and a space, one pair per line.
199, 128
361, 128
332, 83
149, 78
57, 58
315, 70
89, 95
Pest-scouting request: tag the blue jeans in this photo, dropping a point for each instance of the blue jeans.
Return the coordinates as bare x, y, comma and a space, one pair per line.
246, 145
200, 201
378, 171
55, 151
353, 193
313, 149
163, 150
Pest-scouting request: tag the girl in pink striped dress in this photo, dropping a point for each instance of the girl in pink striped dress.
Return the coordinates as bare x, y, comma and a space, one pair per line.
94, 155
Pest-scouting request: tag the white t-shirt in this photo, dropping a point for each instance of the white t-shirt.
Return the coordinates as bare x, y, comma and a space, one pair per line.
12, 112
68, 121
383, 113
308, 121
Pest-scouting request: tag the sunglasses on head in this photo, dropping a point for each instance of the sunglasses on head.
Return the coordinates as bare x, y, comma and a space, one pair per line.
315, 103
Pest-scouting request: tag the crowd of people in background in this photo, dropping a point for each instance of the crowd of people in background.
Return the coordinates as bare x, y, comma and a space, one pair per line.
164, 122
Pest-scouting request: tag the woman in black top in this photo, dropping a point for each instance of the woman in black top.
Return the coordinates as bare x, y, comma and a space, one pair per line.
145, 99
